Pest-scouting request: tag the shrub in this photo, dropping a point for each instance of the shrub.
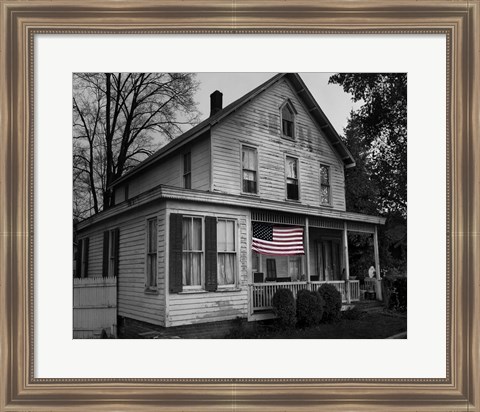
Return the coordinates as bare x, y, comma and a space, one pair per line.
387, 289
284, 307
401, 291
309, 308
333, 302
395, 293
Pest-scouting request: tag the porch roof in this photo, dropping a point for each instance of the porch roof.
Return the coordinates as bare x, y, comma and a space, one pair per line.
244, 201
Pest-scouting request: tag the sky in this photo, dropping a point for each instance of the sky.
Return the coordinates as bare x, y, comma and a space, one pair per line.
335, 103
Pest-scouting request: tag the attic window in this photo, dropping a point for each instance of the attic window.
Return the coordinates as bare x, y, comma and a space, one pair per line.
288, 121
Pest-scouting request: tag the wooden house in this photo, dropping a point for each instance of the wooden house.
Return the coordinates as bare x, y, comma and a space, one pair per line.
180, 238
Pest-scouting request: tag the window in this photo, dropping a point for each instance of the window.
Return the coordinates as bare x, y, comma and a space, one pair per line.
111, 239
193, 261
226, 252
271, 269
291, 166
288, 121
187, 170
324, 185
192, 251
151, 278
294, 267
249, 169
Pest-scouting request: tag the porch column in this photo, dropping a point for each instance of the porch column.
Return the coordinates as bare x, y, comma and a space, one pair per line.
345, 259
307, 249
377, 264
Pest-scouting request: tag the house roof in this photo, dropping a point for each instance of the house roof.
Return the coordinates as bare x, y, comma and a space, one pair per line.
303, 93
200, 196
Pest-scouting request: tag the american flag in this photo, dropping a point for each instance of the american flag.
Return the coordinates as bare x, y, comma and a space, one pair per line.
277, 240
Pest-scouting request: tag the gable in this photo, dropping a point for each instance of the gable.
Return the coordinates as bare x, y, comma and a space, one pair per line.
258, 124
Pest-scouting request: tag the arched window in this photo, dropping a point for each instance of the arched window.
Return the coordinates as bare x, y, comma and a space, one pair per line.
288, 120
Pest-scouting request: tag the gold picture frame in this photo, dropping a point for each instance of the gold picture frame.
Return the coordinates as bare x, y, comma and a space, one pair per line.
20, 21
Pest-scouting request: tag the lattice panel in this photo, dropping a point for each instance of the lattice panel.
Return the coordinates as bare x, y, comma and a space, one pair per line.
277, 218
325, 223
360, 227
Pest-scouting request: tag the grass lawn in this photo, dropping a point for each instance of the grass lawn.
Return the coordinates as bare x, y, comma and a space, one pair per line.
369, 326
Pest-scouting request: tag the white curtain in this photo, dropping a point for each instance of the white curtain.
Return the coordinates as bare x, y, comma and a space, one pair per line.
226, 268
192, 251
249, 159
191, 268
291, 168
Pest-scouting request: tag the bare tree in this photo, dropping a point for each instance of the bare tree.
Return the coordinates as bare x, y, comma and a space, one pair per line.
119, 119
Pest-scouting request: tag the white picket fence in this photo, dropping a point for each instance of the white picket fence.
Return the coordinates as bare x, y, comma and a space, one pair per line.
94, 307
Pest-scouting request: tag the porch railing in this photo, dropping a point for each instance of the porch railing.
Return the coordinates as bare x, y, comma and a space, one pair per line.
261, 294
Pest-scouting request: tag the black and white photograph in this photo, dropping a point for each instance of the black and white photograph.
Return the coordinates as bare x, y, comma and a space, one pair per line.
239, 205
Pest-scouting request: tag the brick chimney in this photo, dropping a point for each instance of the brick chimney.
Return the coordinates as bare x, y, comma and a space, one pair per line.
215, 102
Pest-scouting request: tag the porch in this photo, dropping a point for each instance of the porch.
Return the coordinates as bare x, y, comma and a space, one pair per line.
261, 294
323, 260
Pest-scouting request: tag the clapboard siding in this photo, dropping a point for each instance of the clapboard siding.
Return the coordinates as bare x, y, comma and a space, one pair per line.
133, 301
188, 308
201, 165
258, 124
169, 171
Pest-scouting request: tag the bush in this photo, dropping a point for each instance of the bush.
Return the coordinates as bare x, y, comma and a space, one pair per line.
284, 307
401, 291
309, 308
395, 293
333, 302
387, 289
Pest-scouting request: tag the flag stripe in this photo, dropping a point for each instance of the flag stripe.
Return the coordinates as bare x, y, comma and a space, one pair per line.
277, 253
286, 239
268, 243
295, 247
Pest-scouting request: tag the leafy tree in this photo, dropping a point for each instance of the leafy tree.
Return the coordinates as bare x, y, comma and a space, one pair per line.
119, 119
381, 124
361, 189
376, 135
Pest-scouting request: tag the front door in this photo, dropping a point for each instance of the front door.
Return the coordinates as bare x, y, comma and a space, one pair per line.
327, 260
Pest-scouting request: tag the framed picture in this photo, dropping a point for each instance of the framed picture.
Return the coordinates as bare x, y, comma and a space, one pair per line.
198, 250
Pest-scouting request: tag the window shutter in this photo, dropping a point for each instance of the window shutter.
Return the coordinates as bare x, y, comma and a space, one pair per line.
78, 260
105, 254
116, 237
210, 253
175, 256
86, 243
